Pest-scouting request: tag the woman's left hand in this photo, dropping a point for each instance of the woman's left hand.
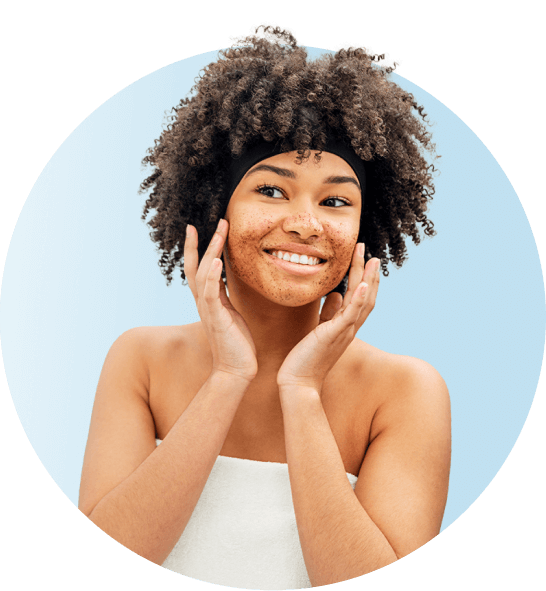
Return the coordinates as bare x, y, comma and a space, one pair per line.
309, 362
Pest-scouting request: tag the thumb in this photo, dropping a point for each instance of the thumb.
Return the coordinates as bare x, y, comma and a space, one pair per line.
331, 305
223, 294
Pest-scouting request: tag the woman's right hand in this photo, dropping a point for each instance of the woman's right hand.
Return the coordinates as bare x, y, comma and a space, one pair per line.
233, 350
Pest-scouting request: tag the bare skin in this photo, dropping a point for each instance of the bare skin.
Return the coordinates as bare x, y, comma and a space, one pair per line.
257, 432
285, 380
279, 308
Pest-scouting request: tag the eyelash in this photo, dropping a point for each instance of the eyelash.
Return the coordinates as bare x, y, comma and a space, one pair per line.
260, 189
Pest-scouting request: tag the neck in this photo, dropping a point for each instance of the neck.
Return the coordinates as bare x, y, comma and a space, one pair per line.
275, 329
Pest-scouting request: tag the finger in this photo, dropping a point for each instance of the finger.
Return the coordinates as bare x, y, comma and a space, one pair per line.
211, 289
356, 273
213, 251
352, 312
331, 305
196, 272
191, 258
372, 274
363, 298
223, 293
359, 297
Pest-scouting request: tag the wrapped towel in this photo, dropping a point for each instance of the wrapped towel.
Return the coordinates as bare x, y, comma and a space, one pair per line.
242, 532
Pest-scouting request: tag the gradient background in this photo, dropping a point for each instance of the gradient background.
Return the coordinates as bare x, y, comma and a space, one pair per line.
64, 302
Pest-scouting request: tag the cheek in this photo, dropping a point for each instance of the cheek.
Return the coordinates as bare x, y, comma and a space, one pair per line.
343, 241
245, 233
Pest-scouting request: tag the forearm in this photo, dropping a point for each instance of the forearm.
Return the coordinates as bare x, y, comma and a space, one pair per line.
149, 510
339, 539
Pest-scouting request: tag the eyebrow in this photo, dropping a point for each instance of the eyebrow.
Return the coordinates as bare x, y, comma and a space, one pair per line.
285, 172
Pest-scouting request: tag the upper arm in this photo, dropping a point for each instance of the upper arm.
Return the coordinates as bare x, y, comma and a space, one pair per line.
122, 430
403, 480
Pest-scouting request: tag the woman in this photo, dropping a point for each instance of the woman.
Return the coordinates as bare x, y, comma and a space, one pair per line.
265, 446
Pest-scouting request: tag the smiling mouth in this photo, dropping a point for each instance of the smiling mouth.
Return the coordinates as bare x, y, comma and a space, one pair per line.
321, 261
294, 269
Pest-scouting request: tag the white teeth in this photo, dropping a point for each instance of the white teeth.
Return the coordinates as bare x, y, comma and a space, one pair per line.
295, 258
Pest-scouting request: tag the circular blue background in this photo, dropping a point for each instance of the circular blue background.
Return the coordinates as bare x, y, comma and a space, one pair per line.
81, 270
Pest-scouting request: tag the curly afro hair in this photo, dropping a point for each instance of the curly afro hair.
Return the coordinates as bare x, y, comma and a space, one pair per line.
265, 88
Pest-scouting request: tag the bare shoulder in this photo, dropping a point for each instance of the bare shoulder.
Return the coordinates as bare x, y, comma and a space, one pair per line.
402, 387
152, 342
155, 347
404, 476
177, 361
390, 369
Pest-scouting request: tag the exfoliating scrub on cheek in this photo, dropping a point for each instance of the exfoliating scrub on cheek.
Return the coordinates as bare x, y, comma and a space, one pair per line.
342, 242
246, 231
251, 231
283, 210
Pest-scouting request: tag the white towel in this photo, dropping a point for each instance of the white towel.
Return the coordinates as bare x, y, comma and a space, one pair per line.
242, 532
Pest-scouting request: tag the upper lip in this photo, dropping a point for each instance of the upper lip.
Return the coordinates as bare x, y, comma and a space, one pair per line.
298, 249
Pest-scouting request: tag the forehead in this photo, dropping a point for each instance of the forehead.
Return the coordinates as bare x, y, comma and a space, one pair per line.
328, 165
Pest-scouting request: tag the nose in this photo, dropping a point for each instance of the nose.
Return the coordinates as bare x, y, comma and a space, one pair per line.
305, 224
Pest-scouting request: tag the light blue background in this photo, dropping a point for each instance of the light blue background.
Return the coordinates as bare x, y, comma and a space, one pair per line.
81, 270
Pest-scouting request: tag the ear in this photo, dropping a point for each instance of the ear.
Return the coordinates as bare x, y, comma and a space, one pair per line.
331, 305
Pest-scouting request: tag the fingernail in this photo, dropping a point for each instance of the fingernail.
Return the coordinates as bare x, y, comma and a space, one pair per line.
361, 249
363, 289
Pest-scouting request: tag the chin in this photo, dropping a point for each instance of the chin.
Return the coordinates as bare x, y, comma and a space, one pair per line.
294, 295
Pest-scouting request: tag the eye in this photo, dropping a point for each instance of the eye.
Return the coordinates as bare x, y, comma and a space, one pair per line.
268, 191
337, 199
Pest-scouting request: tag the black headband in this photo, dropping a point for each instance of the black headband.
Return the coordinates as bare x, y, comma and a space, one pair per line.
263, 150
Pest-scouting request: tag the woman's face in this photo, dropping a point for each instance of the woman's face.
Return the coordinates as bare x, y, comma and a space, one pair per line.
285, 209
